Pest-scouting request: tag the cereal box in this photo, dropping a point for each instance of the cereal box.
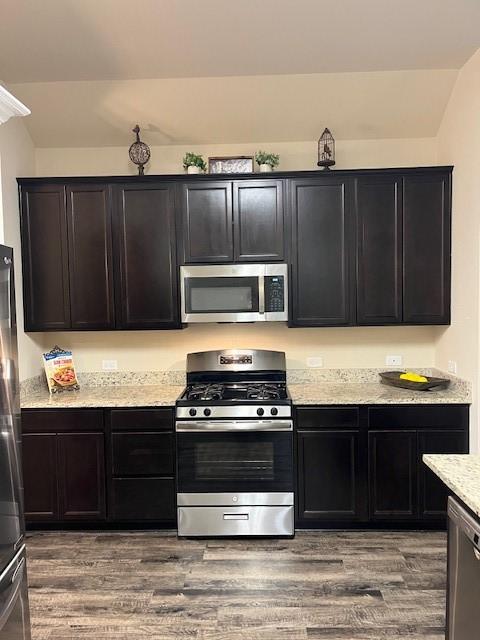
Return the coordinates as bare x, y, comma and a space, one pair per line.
60, 370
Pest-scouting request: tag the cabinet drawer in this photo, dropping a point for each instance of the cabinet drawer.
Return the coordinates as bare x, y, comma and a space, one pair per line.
142, 454
419, 416
57, 420
143, 499
327, 417
131, 419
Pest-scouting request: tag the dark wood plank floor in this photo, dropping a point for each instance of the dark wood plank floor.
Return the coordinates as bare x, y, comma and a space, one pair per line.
347, 585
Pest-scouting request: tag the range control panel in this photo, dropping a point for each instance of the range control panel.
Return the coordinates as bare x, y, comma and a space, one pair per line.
274, 293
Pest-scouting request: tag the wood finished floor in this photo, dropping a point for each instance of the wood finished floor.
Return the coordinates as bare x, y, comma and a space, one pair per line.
347, 585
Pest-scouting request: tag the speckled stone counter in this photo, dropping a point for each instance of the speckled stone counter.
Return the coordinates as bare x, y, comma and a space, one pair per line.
108, 396
373, 393
461, 474
306, 386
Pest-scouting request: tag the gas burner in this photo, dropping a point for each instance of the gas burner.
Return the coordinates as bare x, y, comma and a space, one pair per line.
263, 392
206, 392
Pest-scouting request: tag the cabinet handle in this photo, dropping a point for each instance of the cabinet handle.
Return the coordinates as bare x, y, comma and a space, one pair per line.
235, 516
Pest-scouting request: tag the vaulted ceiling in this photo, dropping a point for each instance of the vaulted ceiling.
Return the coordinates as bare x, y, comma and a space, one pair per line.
223, 71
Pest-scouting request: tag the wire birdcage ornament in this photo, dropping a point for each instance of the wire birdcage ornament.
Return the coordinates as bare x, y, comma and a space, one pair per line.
326, 150
139, 152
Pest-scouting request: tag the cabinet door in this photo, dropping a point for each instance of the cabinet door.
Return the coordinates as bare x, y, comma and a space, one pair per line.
379, 257
40, 476
81, 476
207, 222
258, 217
433, 492
90, 256
426, 249
45, 258
331, 475
322, 241
392, 474
145, 249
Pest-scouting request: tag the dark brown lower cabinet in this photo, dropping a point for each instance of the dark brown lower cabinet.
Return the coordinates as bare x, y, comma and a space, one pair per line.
40, 476
81, 476
143, 499
142, 466
433, 492
362, 466
64, 476
393, 474
331, 475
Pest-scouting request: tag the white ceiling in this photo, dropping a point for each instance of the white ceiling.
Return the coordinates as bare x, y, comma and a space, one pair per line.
206, 71
54, 40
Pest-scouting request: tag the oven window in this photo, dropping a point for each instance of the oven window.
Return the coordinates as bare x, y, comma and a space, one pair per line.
231, 462
224, 295
237, 461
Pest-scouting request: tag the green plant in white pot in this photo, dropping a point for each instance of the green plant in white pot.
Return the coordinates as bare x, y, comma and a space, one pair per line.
266, 161
193, 163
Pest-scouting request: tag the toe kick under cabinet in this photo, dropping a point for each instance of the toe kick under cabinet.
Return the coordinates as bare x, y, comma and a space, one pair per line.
362, 466
93, 466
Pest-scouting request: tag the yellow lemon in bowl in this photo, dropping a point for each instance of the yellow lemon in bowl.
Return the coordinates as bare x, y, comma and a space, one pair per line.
413, 377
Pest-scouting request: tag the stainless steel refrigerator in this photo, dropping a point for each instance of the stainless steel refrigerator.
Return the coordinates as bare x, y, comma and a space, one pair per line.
14, 614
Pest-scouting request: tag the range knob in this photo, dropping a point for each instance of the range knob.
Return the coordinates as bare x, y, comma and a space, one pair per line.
274, 411
193, 412
207, 412
260, 411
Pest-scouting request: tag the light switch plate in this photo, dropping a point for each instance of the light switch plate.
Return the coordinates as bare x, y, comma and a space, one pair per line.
109, 365
315, 361
394, 361
452, 366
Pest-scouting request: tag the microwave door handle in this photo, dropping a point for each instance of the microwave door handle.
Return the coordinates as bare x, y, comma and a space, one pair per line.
261, 294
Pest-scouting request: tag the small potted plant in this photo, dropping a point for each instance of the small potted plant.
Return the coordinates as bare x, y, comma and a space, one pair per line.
193, 163
266, 161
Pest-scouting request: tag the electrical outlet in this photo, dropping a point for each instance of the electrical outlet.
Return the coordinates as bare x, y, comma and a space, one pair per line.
109, 365
394, 361
452, 367
315, 361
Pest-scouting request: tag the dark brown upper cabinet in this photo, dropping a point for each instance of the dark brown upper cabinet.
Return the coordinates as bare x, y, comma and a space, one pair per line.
89, 229
379, 250
46, 288
241, 221
426, 248
207, 218
322, 268
146, 273
258, 220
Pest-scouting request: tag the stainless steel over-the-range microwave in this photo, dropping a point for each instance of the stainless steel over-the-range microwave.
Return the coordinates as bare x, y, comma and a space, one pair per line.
234, 293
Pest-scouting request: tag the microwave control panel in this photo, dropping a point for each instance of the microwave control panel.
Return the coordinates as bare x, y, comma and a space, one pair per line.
274, 293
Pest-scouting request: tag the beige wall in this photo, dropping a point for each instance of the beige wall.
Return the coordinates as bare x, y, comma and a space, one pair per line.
459, 144
166, 350
295, 156
17, 158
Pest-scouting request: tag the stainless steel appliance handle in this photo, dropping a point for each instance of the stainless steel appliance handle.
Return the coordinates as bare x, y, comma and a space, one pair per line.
235, 516
233, 425
14, 586
261, 294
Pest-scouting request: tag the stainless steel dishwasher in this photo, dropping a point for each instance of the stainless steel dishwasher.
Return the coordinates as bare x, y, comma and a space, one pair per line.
463, 591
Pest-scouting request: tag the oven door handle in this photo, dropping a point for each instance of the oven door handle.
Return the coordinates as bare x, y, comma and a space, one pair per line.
233, 426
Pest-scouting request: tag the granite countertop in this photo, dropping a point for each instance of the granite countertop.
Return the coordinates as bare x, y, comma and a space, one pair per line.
461, 474
343, 393
105, 396
318, 393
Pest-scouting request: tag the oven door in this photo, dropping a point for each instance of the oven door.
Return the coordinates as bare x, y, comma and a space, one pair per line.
237, 461
230, 293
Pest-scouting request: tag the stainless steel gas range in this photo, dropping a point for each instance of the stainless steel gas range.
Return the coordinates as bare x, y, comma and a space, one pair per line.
235, 446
